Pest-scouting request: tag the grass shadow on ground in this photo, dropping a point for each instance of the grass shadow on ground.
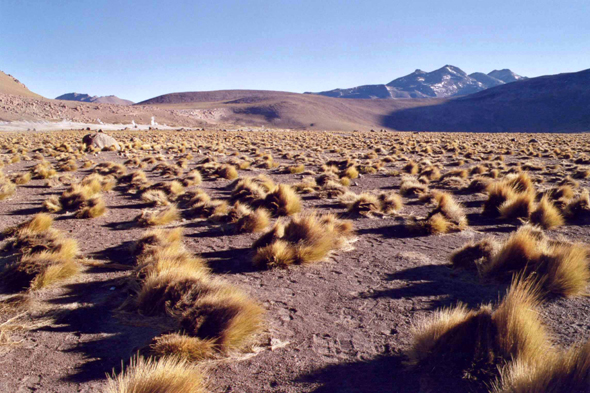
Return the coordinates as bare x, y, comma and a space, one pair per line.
383, 374
115, 342
232, 261
443, 285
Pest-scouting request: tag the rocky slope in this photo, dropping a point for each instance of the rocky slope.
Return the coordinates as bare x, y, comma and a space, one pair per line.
11, 85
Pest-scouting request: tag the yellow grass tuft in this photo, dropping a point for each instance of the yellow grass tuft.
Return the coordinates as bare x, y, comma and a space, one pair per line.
168, 374
307, 238
546, 215
468, 348
185, 347
95, 207
283, 201
158, 217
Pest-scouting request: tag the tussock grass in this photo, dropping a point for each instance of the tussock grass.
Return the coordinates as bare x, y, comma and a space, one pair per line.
95, 207
560, 268
22, 178
474, 254
214, 316
207, 208
37, 271
546, 215
568, 371
40, 222
158, 217
167, 374
518, 206
410, 186
307, 238
578, 209
367, 204
447, 216
193, 178
226, 316
7, 188
307, 185
283, 201
52, 204
466, 348
247, 220
498, 194
191, 349
155, 198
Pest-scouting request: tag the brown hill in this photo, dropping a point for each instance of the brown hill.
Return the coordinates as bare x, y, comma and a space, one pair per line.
283, 109
11, 85
552, 103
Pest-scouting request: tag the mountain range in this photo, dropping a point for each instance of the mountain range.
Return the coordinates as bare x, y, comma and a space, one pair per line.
551, 103
96, 99
447, 81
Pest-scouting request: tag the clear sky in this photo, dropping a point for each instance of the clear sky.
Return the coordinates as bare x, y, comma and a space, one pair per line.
141, 49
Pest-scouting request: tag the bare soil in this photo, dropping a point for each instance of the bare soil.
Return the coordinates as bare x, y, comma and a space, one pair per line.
338, 326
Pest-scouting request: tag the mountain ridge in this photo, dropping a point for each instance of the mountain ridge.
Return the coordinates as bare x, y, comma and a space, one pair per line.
447, 81
82, 97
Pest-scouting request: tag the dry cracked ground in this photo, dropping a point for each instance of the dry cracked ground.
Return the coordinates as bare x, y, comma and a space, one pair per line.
341, 324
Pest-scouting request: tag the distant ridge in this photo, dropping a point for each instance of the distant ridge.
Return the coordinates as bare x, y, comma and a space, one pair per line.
96, 99
447, 81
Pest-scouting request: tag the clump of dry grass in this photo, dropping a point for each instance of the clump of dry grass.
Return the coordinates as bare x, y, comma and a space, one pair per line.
227, 315
568, 371
52, 204
295, 169
227, 171
447, 216
367, 204
148, 218
173, 189
247, 220
155, 198
512, 197
214, 316
248, 190
546, 215
78, 195
193, 178
410, 186
474, 254
307, 185
204, 207
43, 170
561, 268
156, 239
498, 194
283, 201
578, 209
7, 188
40, 222
47, 255
22, 178
466, 349
518, 206
185, 347
95, 207
307, 238
167, 374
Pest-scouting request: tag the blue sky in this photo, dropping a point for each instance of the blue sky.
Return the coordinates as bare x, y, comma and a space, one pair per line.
141, 49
